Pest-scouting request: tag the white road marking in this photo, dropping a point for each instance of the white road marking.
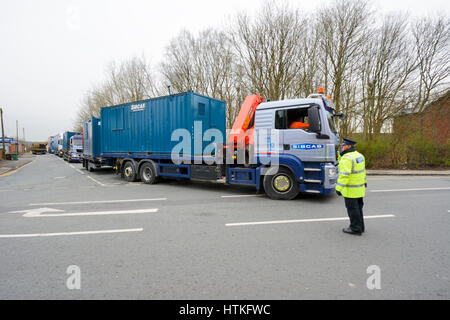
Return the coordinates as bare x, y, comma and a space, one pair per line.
37, 213
96, 181
59, 177
303, 220
6, 190
81, 172
30, 235
99, 201
418, 189
243, 195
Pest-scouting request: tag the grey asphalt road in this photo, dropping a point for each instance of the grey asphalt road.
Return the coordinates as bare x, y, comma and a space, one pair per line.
189, 246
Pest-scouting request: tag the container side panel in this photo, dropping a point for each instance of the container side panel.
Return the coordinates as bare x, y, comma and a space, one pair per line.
147, 126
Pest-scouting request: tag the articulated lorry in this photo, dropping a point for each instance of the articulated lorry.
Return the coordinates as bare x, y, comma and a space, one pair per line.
39, 148
282, 147
75, 151
51, 145
58, 143
64, 143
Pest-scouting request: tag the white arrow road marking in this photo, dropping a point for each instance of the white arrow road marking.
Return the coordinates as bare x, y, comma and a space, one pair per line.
96, 201
303, 220
36, 213
29, 235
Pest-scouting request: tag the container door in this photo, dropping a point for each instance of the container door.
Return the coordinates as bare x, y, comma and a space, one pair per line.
202, 113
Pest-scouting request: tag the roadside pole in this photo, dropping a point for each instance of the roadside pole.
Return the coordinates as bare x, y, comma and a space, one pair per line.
17, 135
3, 135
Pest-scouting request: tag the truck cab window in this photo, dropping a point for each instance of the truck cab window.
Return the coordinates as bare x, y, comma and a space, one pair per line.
280, 119
296, 118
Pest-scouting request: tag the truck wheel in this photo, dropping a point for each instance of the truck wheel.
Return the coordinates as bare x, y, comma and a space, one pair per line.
129, 172
148, 173
282, 185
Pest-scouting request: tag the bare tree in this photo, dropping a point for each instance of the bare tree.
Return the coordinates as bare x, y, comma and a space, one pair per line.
342, 31
431, 39
268, 48
386, 74
203, 64
130, 80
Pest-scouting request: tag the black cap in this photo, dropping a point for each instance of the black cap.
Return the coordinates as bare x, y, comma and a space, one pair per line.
348, 141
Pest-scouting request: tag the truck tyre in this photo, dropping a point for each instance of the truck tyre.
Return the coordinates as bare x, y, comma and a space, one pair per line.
282, 185
148, 173
129, 172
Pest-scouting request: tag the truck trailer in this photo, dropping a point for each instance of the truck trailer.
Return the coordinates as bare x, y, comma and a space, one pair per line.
91, 157
183, 136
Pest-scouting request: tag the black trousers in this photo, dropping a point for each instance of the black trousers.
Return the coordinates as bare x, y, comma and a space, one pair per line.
355, 213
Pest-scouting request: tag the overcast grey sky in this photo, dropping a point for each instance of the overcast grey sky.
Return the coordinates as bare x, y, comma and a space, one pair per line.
52, 51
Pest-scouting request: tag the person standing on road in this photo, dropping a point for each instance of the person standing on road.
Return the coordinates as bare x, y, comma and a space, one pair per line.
352, 185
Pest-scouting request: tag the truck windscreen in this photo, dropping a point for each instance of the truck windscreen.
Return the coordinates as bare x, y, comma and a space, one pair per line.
332, 122
77, 142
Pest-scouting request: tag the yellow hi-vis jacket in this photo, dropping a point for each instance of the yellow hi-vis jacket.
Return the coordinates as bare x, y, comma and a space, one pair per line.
352, 175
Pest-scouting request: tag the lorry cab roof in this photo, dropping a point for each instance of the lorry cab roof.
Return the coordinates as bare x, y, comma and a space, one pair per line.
288, 103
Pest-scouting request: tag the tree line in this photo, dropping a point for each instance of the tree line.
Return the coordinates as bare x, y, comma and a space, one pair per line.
374, 66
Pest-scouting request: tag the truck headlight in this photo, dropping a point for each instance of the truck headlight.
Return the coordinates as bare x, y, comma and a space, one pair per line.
332, 172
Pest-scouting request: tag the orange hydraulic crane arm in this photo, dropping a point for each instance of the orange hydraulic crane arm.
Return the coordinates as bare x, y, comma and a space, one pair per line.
244, 119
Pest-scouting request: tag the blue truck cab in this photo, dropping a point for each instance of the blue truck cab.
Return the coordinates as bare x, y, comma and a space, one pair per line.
295, 160
74, 152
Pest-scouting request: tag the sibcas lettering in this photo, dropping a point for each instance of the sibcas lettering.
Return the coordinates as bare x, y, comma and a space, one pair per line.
138, 107
307, 146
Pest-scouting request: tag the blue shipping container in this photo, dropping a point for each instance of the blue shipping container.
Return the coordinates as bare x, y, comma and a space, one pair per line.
147, 126
91, 137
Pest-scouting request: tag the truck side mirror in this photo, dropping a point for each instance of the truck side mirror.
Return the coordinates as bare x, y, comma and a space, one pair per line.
314, 119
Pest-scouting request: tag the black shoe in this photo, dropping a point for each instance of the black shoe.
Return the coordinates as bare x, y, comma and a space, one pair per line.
350, 231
